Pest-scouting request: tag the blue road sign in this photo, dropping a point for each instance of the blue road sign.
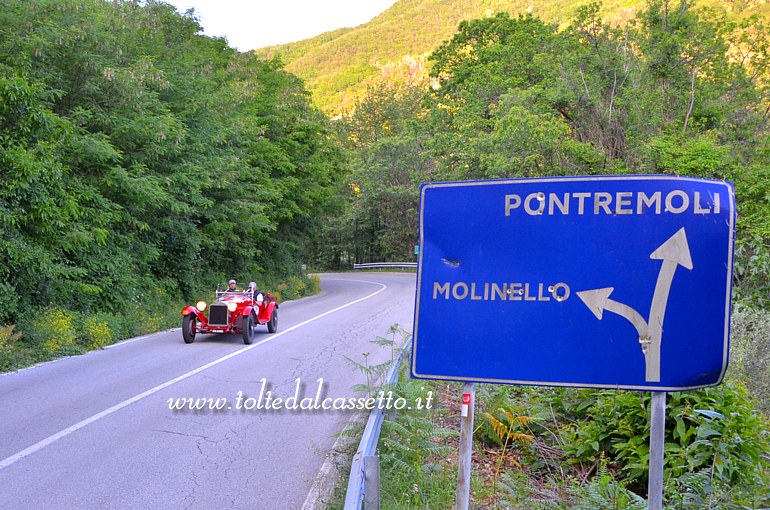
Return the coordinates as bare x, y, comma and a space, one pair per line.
608, 282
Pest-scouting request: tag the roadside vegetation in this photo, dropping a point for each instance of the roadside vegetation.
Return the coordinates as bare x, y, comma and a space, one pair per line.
142, 164
53, 332
565, 448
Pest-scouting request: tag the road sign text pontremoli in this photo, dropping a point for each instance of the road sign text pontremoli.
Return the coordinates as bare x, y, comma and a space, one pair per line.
613, 282
676, 201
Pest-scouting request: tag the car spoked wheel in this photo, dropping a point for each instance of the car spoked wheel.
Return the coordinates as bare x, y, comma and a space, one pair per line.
189, 328
247, 329
272, 325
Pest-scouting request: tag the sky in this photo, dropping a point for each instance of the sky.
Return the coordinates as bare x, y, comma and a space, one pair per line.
250, 24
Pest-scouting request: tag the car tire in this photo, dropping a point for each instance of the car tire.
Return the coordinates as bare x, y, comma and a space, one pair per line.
272, 325
189, 328
247, 329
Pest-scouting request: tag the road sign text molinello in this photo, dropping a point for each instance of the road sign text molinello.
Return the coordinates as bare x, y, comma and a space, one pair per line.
617, 282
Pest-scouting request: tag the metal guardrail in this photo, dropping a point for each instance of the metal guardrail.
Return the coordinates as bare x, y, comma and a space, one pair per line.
368, 445
379, 265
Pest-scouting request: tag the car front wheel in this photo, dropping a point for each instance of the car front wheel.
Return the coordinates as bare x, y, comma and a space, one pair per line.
247, 328
189, 328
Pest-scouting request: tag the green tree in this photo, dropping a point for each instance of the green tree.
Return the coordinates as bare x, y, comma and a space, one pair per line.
380, 223
140, 156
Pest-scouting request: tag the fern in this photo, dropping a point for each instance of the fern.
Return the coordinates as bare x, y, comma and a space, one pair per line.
692, 491
8, 336
605, 493
503, 430
394, 330
373, 373
506, 434
543, 499
352, 429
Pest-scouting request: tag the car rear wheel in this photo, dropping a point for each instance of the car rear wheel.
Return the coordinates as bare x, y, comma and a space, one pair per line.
189, 328
272, 325
247, 328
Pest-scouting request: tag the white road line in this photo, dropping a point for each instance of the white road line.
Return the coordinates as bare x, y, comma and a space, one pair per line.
69, 430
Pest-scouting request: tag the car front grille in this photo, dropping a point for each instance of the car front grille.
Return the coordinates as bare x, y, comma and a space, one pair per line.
218, 315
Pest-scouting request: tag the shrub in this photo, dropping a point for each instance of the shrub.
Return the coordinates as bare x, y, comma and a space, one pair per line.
293, 288
9, 302
750, 352
54, 330
414, 452
8, 340
8, 337
96, 334
148, 324
313, 285
297, 286
752, 271
604, 492
714, 430
121, 325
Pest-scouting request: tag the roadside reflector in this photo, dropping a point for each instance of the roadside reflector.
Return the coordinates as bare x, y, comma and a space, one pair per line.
466, 404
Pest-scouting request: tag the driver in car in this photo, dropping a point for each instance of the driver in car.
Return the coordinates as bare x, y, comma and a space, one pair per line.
231, 286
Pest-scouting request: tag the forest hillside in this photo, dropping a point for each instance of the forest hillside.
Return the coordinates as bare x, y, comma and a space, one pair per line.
338, 66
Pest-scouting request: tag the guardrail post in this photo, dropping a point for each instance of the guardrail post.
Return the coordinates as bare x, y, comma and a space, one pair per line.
358, 487
372, 486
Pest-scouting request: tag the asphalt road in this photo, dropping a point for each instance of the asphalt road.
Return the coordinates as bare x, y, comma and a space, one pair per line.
96, 431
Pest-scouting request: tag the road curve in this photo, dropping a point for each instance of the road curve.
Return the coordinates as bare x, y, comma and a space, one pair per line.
95, 431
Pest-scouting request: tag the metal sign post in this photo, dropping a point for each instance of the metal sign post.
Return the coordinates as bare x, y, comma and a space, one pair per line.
466, 447
657, 443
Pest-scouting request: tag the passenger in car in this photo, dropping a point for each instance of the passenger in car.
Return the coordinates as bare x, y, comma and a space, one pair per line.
253, 289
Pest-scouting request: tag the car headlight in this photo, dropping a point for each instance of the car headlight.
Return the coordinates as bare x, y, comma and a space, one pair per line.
201, 305
232, 306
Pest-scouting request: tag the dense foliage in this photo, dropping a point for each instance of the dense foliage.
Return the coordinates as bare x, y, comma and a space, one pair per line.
568, 448
141, 160
677, 91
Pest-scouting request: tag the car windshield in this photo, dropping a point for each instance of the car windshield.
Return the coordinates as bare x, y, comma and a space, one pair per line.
225, 293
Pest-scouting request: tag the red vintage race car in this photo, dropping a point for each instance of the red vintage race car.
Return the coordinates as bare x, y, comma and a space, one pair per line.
231, 312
